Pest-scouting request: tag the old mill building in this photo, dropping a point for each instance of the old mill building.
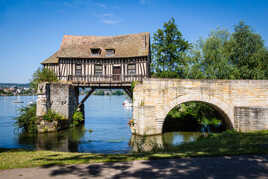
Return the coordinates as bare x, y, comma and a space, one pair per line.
102, 61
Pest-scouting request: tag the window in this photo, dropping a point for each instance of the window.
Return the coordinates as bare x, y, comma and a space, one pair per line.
78, 69
98, 69
131, 69
110, 52
95, 51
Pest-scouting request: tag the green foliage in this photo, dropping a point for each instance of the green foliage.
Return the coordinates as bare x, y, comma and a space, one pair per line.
168, 50
215, 61
247, 52
52, 116
133, 84
42, 75
3, 93
192, 116
117, 93
240, 55
99, 92
77, 118
27, 119
166, 74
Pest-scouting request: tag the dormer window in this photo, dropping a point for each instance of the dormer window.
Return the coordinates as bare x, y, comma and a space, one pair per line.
110, 52
95, 51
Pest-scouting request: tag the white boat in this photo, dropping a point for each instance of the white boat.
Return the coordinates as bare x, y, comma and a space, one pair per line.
30, 103
126, 103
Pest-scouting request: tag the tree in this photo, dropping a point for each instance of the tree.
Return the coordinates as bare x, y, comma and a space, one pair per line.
208, 58
42, 75
247, 52
193, 65
216, 63
168, 50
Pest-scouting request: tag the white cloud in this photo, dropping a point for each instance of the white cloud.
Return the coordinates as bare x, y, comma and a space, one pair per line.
108, 18
107, 15
110, 22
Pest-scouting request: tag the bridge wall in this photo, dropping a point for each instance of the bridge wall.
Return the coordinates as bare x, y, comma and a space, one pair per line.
243, 103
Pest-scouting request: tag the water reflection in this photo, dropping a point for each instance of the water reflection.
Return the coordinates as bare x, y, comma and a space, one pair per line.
105, 116
71, 140
65, 141
169, 141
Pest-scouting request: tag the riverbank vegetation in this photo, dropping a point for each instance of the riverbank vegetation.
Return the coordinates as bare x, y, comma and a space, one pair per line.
222, 55
27, 120
226, 143
100, 92
16, 92
194, 116
78, 118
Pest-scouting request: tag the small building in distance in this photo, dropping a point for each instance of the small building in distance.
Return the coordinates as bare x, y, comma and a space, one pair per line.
103, 61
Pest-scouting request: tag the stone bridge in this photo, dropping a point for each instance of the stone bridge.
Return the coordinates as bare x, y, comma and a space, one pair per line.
243, 103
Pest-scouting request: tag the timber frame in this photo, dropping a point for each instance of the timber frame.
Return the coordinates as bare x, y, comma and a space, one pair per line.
102, 62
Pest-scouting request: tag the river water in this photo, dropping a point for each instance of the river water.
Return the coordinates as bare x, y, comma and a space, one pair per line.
105, 131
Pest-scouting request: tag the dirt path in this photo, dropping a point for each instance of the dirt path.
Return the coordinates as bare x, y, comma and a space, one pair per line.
214, 167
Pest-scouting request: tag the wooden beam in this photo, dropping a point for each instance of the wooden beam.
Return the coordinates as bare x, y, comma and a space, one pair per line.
85, 98
128, 91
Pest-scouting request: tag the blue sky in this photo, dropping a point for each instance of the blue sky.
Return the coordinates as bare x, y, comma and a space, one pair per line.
32, 30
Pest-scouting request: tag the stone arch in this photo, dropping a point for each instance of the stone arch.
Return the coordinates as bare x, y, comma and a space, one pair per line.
226, 110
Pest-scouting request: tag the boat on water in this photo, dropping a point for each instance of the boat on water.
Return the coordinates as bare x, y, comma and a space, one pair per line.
126, 103
30, 103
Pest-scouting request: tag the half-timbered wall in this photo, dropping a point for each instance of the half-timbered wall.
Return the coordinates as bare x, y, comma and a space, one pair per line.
66, 66
54, 67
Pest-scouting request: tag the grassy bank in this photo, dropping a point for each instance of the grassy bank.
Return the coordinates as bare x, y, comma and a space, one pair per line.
227, 143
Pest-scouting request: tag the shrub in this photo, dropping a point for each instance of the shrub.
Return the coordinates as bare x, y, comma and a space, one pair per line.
194, 116
27, 119
42, 75
77, 118
166, 74
118, 93
52, 116
133, 84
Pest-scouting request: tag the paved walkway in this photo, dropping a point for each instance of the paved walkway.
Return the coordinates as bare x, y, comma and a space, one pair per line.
214, 167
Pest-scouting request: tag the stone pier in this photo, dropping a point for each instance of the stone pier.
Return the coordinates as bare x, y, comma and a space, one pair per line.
59, 98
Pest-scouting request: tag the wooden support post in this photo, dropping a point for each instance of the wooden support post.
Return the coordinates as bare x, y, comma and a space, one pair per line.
129, 92
85, 98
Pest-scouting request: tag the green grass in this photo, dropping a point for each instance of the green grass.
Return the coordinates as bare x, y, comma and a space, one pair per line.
227, 143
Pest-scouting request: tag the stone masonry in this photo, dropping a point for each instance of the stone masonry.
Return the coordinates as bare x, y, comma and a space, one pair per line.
243, 103
60, 98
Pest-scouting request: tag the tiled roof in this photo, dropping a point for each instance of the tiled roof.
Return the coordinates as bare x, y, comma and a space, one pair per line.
132, 45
